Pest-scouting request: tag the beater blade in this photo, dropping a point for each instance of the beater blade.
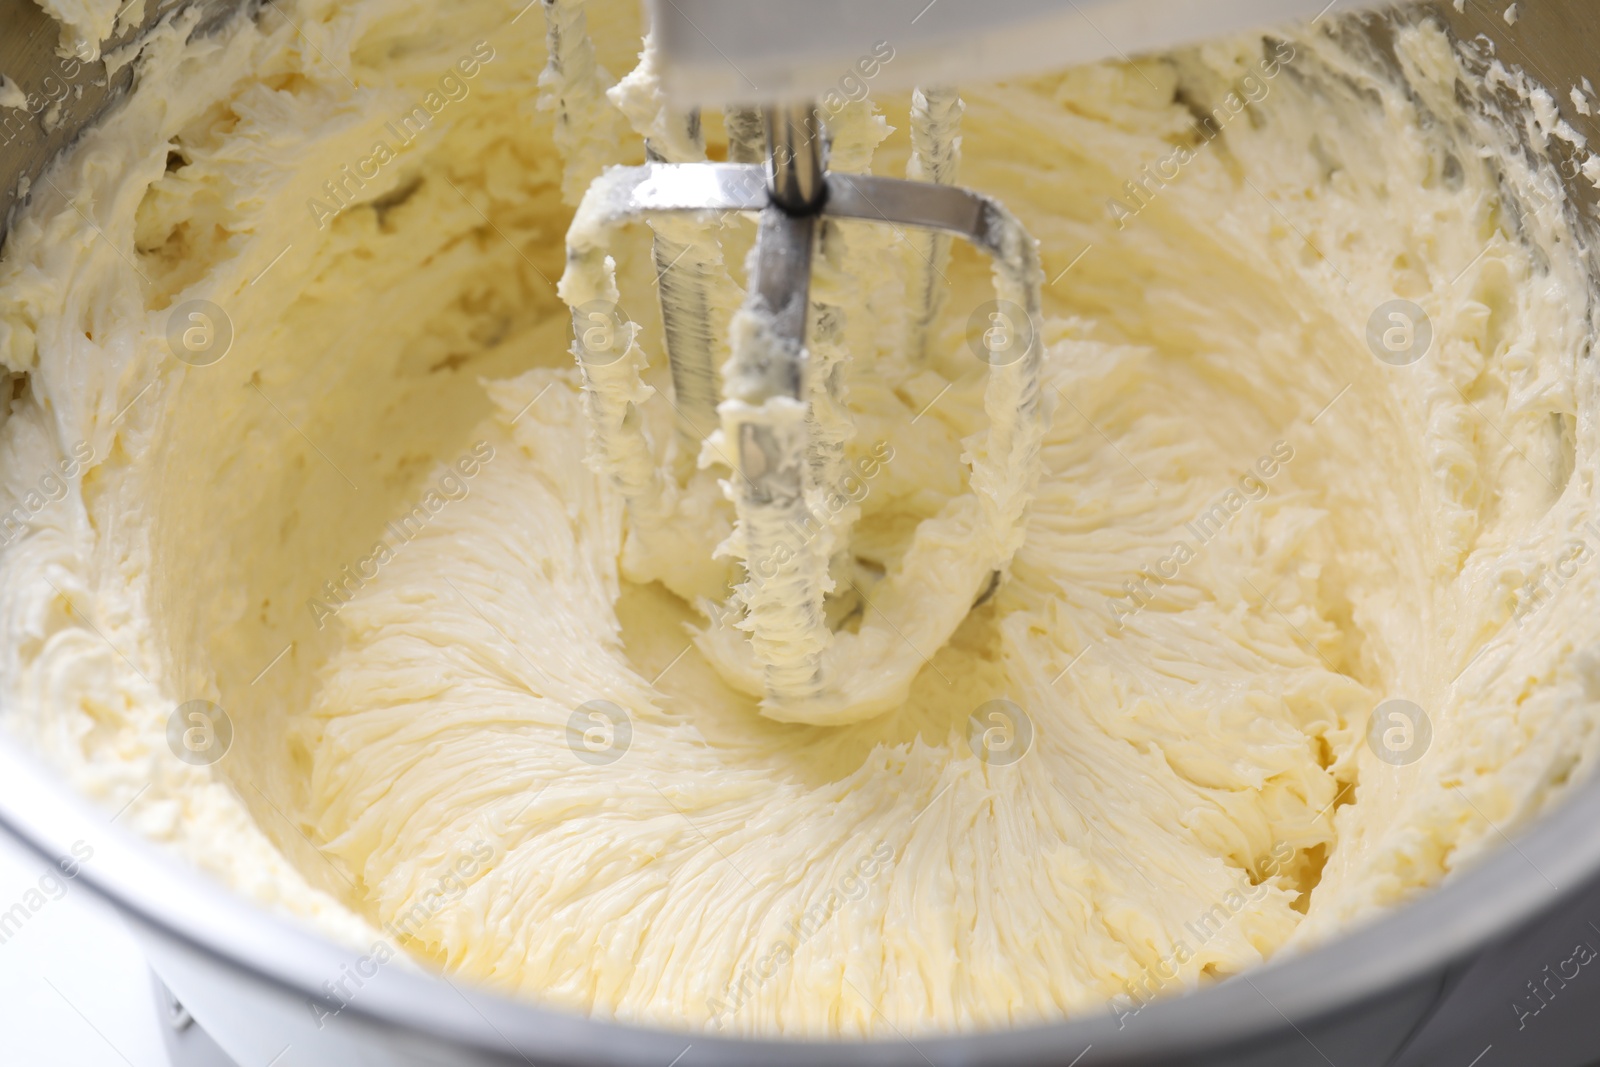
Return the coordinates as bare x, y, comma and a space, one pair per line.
781, 648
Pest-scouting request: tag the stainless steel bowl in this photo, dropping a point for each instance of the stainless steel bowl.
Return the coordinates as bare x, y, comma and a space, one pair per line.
1443, 981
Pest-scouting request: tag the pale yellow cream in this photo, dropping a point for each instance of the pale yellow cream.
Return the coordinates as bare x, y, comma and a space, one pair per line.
473, 708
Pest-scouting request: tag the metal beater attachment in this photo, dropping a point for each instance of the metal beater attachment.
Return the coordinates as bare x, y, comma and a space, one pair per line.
769, 422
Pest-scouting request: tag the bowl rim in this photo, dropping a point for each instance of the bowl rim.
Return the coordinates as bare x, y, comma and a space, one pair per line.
1553, 857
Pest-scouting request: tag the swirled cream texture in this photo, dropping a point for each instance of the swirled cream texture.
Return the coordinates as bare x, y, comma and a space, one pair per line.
471, 712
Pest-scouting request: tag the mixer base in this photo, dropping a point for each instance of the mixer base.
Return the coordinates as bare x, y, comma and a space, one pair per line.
187, 1044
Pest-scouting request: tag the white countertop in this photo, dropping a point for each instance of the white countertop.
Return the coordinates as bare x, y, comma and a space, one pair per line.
74, 987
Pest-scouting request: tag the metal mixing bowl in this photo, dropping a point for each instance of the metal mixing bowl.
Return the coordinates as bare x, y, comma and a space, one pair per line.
1432, 983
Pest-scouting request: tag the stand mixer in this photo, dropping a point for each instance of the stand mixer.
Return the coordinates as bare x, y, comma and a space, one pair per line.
778, 419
